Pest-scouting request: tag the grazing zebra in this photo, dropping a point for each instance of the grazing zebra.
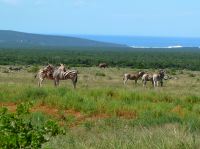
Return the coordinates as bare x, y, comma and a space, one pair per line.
128, 76
147, 77
59, 74
45, 73
158, 77
103, 65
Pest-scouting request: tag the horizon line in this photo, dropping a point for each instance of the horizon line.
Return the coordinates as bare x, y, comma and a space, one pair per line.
113, 35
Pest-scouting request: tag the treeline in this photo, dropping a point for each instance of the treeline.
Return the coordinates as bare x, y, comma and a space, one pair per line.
116, 57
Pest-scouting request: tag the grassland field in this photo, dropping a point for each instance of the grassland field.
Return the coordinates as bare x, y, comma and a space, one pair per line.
104, 113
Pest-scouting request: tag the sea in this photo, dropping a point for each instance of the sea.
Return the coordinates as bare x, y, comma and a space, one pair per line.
146, 42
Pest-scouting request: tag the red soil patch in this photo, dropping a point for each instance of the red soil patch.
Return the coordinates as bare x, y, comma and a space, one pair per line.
178, 110
10, 105
61, 115
56, 113
126, 114
45, 109
41, 108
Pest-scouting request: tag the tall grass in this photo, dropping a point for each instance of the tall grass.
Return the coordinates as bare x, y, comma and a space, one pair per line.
145, 108
101, 135
138, 116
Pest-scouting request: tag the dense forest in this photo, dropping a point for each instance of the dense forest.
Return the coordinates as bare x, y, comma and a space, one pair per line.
183, 58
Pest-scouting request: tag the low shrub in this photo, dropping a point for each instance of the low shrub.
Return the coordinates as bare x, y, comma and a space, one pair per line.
17, 130
100, 74
33, 69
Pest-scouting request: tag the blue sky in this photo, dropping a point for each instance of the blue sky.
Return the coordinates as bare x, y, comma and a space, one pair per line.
178, 18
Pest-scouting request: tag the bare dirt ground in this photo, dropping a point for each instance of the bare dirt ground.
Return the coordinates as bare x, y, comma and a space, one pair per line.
61, 115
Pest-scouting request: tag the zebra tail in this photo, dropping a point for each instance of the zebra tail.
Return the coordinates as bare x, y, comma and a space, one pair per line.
76, 79
35, 76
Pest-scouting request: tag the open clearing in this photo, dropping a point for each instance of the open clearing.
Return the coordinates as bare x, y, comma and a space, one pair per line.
103, 113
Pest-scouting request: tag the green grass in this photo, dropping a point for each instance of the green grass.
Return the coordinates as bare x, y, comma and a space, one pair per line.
138, 117
119, 135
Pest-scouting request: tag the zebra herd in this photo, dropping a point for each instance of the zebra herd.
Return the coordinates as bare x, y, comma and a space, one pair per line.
53, 73
61, 73
155, 78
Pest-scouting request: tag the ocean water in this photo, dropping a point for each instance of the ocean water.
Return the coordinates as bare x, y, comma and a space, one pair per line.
145, 42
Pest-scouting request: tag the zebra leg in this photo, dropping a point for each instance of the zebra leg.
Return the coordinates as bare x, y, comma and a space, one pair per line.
135, 81
144, 83
55, 82
74, 81
40, 82
125, 80
152, 82
157, 83
161, 83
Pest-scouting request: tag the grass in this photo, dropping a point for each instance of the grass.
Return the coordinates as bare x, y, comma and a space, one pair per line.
133, 116
102, 135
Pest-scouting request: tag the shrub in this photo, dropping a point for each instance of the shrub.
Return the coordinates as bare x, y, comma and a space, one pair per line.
100, 74
191, 75
33, 69
172, 72
35, 93
6, 71
17, 130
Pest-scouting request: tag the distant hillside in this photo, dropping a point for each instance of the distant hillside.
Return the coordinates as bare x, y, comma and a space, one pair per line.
13, 39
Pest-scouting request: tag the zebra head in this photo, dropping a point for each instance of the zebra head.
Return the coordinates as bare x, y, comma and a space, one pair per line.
62, 67
141, 73
161, 73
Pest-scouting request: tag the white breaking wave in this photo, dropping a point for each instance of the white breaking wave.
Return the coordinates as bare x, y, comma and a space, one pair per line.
175, 46
169, 47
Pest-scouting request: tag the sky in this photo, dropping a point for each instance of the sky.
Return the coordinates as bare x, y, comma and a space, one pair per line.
167, 18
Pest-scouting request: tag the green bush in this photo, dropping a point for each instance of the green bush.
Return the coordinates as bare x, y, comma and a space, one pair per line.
191, 75
17, 130
33, 69
35, 93
100, 74
171, 71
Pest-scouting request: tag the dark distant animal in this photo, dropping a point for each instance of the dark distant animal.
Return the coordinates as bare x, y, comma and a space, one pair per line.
103, 65
158, 77
147, 77
128, 76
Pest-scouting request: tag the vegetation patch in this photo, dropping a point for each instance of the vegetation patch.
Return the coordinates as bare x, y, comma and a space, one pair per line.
100, 74
18, 131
